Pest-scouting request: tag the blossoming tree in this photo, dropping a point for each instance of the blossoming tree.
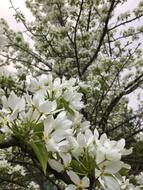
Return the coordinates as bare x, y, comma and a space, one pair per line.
64, 116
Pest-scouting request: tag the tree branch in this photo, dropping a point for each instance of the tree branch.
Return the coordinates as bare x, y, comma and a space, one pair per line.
89, 18
133, 85
75, 39
125, 22
129, 138
104, 32
124, 122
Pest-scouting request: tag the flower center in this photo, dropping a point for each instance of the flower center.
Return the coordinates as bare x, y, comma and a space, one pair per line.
80, 187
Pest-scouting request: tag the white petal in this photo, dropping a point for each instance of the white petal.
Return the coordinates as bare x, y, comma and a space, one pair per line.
34, 116
88, 136
127, 151
101, 182
43, 79
70, 187
37, 100
74, 177
96, 134
48, 124
85, 181
68, 95
51, 145
57, 82
61, 121
113, 155
62, 115
12, 100
100, 157
28, 99
56, 165
72, 142
84, 126
59, 134
64, 146
121, 144
48, 107
81, 140
4, 102
20, 104
66, 158
127, 166
13, 116
103, 138
97, 173
114, 167
111, 183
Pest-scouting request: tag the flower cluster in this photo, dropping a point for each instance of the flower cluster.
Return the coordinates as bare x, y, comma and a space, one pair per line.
33, 186
47, 116
5, 165
139, 179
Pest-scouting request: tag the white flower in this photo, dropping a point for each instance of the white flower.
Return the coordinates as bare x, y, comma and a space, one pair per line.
38, 85
74, 99
13, 103
18, 168
66, 157
81, 184
113, 167
84, 140
33, 186
139, 178
84, 126
2, 92
110, 150
43, 106
107, 182
56, 130
140, 136
47, 107
110, 183
126, 185
57, 165
30, 115
4, 163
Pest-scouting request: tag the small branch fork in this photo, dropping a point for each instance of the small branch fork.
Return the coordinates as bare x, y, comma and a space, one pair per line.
104, 32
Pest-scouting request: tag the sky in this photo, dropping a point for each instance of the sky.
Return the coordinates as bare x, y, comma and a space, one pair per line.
7, 13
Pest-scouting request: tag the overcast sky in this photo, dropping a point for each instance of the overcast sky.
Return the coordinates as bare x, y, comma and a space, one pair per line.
7, 13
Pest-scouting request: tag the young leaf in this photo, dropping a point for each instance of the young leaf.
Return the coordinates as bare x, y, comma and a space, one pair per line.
41, 153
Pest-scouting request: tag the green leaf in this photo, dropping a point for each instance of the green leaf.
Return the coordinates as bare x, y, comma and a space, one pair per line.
124, 172
2, 136
41, 153
78, 167
90, 163
63, 103
38, 130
